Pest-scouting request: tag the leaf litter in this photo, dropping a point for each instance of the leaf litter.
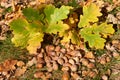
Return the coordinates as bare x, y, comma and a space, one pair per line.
67, 57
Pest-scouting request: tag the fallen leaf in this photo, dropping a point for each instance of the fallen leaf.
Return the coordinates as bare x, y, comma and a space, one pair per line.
89, 55
20, 71
32, 62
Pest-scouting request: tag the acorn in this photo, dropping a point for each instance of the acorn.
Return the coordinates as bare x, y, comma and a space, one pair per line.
51, 48
75, 76
75, 53
60, 61
38, 74
66, 76
48, 64
48, 75
51, 53
55, 58
92, 74
20, 63
84, 73
71, 47
39, 65
71, 61
49, 69
57, 48
55, 65
104, 77
90, 65
47, 59
63, 50
65, 68
108, 59
67, 64
73, 68
84, 61
65, 59
76, 59
103, 60
115, 42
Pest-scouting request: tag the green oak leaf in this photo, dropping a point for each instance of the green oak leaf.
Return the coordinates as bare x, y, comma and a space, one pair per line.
60, 13
25, 35
94, 40
104, 29
31, 14
58, 27
54, 17
90, 14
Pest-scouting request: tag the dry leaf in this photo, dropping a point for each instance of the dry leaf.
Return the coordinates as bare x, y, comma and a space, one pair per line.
113, 19
32, 62
20, 71
115, 55
89, 55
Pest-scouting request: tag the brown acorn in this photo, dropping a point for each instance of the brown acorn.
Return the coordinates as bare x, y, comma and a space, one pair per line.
66, 76
55, 65
38, 74
84, 61
76, 59
65, 59
60, 61
39, 65
57, 48
47, 59
65, 68
75, 76
90, 65
20, 63
72, 61
84, 73
104, 77
103, 60
74, 68
92, 74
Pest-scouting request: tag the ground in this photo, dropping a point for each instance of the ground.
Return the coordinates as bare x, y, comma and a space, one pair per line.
55, 60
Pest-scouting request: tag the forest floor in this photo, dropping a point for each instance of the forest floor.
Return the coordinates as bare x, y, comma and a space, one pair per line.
64, 61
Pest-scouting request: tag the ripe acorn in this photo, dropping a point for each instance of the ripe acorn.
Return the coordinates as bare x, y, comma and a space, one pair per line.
71, 61
84, 61
60, 61
74, 68
55, 65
